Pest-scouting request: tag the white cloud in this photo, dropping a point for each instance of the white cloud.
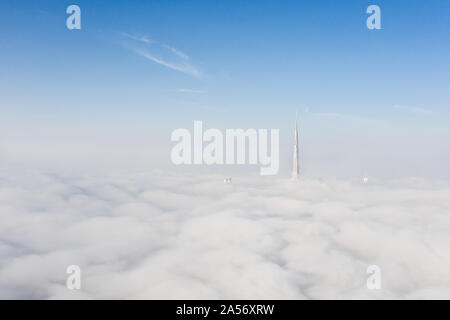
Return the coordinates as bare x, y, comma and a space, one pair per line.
160, 235
191, 91
415, 110
177, 52
143, 39
155, 51
329, 114
184, 68
337, 115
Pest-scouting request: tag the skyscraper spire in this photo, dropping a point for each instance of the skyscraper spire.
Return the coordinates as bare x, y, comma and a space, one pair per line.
295, 164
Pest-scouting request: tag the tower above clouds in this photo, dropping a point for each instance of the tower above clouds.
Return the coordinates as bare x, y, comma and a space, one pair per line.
295, 163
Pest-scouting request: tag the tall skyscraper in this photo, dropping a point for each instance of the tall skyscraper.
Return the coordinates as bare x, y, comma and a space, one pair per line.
295, 164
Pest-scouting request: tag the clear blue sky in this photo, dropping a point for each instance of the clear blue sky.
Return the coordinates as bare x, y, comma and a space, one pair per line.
163, 64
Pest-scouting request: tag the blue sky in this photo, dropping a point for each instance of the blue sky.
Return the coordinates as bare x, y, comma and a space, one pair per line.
163, 64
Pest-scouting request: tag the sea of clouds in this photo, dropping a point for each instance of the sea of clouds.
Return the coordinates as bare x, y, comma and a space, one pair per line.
166, 235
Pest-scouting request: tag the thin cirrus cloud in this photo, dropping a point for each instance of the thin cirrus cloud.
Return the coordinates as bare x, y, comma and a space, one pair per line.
415, 110
184, 68
184, 90
325, 114
177, 52
163, 54
335, 115
137, 38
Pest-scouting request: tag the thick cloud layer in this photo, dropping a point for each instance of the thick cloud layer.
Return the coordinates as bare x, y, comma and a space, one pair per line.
158, 235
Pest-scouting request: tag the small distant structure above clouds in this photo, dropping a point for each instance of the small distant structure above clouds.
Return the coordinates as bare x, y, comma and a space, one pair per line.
227, 180
365, 180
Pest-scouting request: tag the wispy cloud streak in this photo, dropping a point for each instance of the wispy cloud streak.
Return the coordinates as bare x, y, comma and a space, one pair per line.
415, 110
177, 52
185, 68
191, 91
143, 39
176, 60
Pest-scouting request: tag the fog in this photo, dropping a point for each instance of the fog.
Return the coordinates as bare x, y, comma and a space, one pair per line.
186, 236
